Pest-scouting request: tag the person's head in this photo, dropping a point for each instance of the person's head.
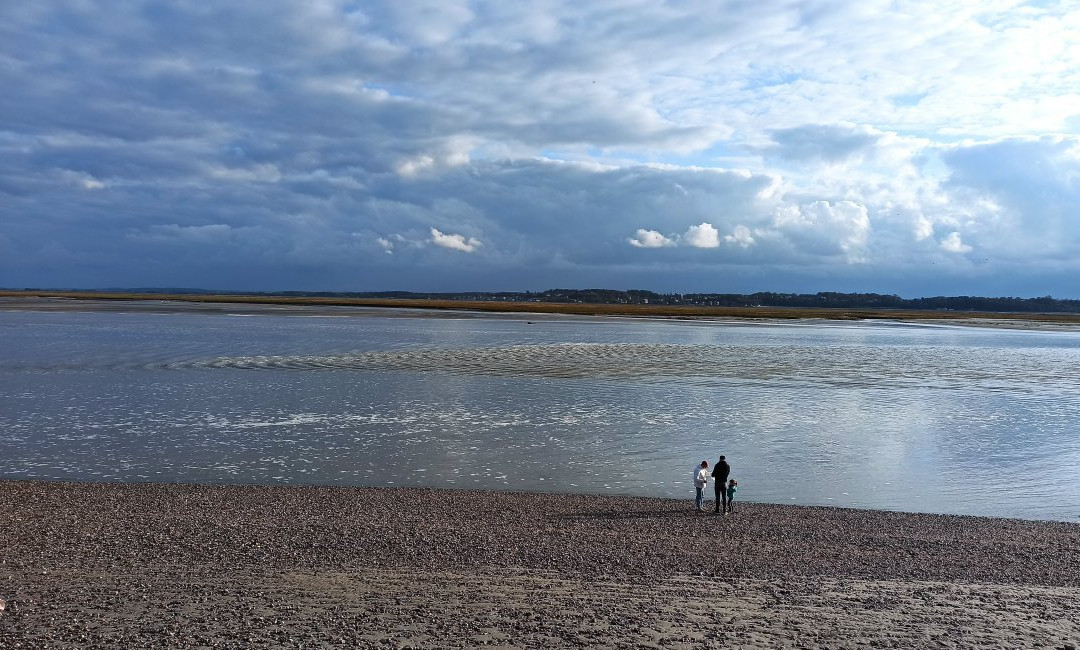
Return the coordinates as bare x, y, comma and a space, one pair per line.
704, 463
723, 457
733, 482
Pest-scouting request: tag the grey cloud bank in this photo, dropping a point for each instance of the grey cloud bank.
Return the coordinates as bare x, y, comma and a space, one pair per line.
786, 146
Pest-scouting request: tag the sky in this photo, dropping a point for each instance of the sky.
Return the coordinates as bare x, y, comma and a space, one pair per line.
915, 148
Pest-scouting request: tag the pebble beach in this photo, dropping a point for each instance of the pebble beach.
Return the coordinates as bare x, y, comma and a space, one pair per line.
200, 566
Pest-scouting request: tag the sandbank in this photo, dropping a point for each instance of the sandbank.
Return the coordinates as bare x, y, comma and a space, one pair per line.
344, 306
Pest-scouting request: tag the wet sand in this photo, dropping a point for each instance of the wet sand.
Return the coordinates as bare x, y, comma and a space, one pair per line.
166, 565
61, 301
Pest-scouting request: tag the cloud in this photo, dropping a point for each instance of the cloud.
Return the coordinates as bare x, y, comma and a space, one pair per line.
454, 242
257, 173
924, 228
824, 142
650, 239
451, 153
825, 228
1017, 196
80, 179
740, 236
702, 236
953, 244
415, 165
207, 234
276, 146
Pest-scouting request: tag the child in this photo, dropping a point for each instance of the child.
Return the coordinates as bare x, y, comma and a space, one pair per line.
732, 488
701, 479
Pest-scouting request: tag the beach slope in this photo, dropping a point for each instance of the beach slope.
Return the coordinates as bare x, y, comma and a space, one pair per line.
166, 565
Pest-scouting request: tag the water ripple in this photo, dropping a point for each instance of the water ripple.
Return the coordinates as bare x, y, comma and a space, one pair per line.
703, 365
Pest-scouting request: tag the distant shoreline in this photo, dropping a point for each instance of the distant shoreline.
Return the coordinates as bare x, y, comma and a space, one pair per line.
26, 299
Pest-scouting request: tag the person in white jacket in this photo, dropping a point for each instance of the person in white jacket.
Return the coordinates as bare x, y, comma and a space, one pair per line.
701, 479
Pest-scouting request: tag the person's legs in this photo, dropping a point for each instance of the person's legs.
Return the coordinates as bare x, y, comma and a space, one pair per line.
723, 500
700, 498
719, 493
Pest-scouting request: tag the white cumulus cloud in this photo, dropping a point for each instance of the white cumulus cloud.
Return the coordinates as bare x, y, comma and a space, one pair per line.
703, 235
454, 242
954, 244
650, 239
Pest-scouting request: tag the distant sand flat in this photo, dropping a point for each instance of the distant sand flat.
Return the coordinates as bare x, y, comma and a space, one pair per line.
165, 565
344, 306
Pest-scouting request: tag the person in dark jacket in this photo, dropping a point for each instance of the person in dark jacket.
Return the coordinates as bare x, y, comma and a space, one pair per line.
720, 476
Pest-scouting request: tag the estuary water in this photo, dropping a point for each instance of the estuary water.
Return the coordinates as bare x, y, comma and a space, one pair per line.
883, 415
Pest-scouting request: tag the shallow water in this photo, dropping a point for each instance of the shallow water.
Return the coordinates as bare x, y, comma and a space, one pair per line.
880, 415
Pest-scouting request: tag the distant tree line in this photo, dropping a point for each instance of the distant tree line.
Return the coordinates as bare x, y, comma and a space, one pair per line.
822, 299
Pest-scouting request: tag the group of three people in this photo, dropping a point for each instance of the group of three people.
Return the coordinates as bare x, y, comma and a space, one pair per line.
725, 488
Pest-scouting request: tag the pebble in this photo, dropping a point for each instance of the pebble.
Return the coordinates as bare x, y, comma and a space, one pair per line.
160, 550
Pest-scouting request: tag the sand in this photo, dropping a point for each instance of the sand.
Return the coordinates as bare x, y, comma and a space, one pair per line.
60, 301
184, 566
